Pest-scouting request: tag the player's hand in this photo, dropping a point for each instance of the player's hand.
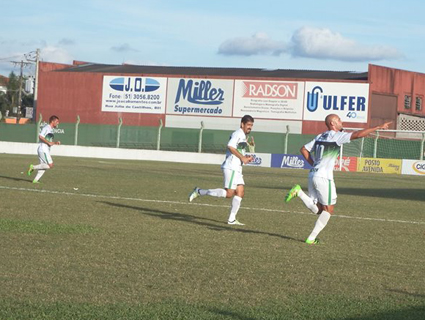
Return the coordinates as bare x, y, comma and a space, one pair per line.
385, 125
58, 142
247, 159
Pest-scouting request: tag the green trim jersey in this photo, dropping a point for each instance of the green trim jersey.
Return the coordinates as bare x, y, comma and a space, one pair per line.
237, 141
325, 149
47, 133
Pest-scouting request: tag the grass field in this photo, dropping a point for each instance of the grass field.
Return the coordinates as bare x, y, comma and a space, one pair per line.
128, 245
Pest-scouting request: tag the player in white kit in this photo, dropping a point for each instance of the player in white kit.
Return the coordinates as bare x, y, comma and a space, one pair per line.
46, 137
232, 170
321, 154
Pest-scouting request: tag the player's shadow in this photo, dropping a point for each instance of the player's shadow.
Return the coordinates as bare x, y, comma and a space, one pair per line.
207, 222
402, 194
15, 179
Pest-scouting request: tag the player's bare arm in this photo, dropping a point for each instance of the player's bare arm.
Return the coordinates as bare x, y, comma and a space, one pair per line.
244, 159
49, 143
306, 154
365, 132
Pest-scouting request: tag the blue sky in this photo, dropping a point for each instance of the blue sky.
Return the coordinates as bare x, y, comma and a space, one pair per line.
315, 35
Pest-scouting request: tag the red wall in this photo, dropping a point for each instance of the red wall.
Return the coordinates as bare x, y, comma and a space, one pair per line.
398, 82
68, 94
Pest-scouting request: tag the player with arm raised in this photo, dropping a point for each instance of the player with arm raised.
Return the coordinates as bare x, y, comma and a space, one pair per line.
46, 137
321, 153
232, 170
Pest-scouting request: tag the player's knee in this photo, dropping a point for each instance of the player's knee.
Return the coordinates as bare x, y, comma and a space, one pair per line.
230, 193
51, 165
329, 209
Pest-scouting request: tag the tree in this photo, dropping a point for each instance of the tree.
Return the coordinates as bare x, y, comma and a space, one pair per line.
9, 100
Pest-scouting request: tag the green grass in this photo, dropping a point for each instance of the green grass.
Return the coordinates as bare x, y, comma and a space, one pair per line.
127, 245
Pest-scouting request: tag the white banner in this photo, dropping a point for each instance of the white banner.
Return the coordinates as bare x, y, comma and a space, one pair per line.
269, 99
200, 97
134, 94
416, 167
348, 100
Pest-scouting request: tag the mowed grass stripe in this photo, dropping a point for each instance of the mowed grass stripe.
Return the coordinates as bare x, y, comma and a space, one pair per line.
203, 204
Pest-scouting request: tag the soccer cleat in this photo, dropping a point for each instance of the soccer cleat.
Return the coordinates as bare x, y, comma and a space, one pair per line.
194, 194
236, 223
30, 170
293, 193
36, 181
315, 241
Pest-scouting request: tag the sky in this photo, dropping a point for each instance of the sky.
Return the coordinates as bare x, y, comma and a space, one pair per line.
332, 35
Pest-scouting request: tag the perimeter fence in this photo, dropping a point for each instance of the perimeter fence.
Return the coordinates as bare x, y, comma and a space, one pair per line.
390, 144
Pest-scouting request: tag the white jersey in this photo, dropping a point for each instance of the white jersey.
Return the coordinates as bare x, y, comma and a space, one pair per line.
46, 133
237, 141
324, 150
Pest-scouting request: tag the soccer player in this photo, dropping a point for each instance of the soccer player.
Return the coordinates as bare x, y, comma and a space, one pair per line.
232, 170
46, 141
321, 153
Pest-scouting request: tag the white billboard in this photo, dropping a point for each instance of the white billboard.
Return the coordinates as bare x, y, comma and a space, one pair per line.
134, 94
348, 100
280, 100
200, 97
416, 167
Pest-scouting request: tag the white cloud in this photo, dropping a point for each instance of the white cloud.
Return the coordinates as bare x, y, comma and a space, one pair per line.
324, 44
259, 43
125, 47
55, 54
307, 42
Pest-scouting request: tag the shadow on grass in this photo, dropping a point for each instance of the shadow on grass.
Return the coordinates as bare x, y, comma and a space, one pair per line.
402, 194
413, 313
212, 224
17, 179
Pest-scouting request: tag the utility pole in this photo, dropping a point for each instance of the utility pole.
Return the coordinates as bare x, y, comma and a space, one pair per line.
37, 61
22, 65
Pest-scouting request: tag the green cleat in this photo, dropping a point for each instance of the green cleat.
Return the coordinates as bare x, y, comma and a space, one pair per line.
293, 193
235, 223
30, 170
36, 181
315, 241
194, 194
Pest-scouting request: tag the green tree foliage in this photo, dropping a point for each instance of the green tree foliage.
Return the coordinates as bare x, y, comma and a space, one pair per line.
9, 99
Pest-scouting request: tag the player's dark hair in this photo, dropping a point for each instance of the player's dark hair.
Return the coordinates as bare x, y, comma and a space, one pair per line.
246, 119
53, 118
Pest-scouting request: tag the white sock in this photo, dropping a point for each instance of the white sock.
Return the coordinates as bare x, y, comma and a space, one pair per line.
41, 166
320, 224
309, 203
221, 193
39, 175
236, 204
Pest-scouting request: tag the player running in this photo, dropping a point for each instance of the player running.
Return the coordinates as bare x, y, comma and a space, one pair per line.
232, 170
321, 153
46, 141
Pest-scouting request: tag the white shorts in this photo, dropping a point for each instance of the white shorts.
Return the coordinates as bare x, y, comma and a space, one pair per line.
44, 155
322, 191
232, 179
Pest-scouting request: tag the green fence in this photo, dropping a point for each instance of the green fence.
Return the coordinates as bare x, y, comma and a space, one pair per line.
207, 141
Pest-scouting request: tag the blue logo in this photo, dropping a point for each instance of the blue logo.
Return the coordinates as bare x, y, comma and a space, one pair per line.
313, 98
199, 92
134, 84
335, 102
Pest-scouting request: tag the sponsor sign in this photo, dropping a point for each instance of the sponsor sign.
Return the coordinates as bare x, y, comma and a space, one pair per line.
134, 94
416, 167
348, 100
268, 99
348, 164
260, 159
289, 161
379, 165
200, 97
